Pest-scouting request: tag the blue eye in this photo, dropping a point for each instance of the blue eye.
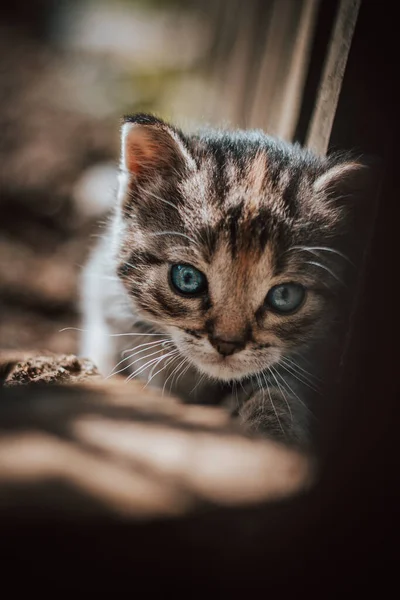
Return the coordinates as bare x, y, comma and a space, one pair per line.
286, 298
188, 280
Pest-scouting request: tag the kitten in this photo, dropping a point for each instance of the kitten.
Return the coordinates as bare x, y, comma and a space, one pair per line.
219, 271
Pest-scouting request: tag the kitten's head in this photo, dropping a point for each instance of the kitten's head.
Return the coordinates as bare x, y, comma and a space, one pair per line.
229, 241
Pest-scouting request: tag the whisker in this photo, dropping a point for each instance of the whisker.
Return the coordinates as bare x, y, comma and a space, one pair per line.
171, 374
168, 362
180, 370
149, 376
322, 249
110, 334
153, 343
293, 367
241, 385
143, 367
135, 361
272, 403
164, 345
313, 262
183, 372
259, 383
272, 371
156, 197
296, 376
140, 370
292, 391
201, 378
309, 375
147, 347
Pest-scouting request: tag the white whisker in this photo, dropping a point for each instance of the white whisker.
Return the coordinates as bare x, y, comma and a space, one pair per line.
148, 346
259, 383
322, 249
135, 361
156, 197
313, 262
294, 368
272, 371
153, 343
149, 376
292, 391
307, 375
294, 374
272, 403
171, 374
170, 357
143, 367
183, 372
178, 373
241, 385
201, 378
110, 334
140, 370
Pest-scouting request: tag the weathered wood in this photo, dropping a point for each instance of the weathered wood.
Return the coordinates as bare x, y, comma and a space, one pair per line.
328, 96
292, 94
274, 64
114, 448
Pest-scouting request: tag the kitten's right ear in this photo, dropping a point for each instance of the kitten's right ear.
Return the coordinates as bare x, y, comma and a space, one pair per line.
150, 147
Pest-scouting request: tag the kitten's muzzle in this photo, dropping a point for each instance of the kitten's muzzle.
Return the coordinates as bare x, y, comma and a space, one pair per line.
227, 347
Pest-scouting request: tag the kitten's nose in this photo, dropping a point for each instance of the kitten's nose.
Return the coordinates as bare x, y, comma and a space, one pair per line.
227, 347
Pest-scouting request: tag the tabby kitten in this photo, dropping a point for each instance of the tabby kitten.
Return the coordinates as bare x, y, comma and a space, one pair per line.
219, 271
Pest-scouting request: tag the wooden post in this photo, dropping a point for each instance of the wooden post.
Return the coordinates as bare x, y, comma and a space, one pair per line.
324, 112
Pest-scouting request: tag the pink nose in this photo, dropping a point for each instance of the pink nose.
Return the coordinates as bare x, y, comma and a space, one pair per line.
227, 347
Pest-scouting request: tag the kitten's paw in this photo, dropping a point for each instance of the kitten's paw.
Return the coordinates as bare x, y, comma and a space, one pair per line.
273, 419
258, 417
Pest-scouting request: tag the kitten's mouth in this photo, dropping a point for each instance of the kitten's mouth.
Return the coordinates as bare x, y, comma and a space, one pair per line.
235, 367
225, 368
231, 367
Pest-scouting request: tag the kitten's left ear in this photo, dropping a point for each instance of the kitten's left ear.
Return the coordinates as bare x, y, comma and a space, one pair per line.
353, 188
150, 146
349, 179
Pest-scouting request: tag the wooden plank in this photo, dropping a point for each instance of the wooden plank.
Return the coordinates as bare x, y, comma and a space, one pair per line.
275, 58
295, 79
233, 74
110, 448
328, 96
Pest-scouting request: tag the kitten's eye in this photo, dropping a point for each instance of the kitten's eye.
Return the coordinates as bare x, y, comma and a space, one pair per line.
188, 280
286, 298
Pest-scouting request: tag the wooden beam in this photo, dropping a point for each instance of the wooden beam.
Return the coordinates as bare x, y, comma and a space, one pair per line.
328, 96
290, 106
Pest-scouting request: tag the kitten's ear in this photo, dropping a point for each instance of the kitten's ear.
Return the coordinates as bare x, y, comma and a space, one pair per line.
150, 146
353, 187
349, 180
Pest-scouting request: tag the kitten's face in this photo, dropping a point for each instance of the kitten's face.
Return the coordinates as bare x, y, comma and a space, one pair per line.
227, 242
